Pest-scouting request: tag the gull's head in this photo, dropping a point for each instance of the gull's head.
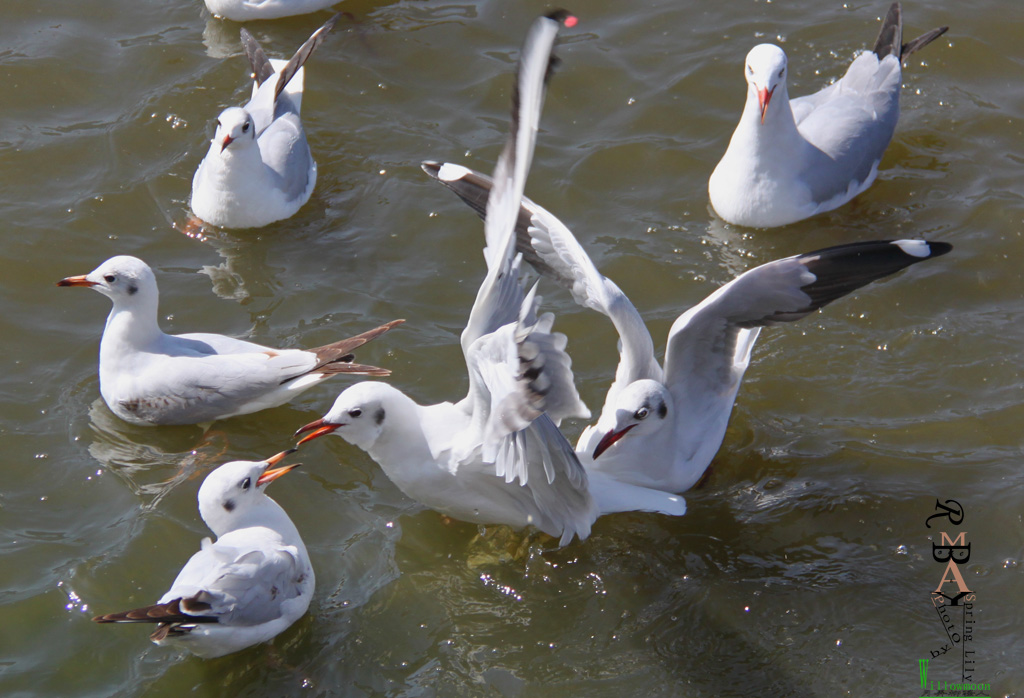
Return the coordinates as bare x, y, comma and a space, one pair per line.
359, 415
231, 493
641, 409
765, 70
123, 279
234, 126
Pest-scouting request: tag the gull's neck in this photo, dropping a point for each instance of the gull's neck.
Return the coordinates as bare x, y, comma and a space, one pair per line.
235, 169
403, 442
132, 325
776, 142
264, 513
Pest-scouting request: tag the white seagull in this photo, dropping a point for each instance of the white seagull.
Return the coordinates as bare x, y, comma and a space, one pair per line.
791, 159
661, 426
496, 456
259, 169
245, 588
148, 377
246, 10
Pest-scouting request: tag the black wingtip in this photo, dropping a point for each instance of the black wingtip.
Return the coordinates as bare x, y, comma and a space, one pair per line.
303, 54
921, 41
843, 269
261, 67
940, 248
890, 36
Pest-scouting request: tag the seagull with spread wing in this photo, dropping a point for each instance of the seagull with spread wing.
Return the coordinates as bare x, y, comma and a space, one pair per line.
661, 425
497, 456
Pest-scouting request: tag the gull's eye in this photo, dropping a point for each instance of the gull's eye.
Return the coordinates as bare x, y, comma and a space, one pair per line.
110, 278
781, 72
218, 123
750, 71
642, 413
245, 127
246, 483
355, 412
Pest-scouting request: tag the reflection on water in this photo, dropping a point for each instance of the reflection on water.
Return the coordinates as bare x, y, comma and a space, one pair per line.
244, 273
221, 38
144, 457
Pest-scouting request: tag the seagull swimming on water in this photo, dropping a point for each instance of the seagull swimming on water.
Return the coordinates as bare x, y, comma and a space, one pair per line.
259, 169
791, 159
245, 588
246, 10
148, 377
661, 426
496, 456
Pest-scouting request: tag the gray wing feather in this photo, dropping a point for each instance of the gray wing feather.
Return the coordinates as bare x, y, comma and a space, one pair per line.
710, 341
242, 586
550, 247
261, 67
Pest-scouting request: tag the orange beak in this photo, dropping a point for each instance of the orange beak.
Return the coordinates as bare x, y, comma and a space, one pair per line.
271, 474
76, 281
227, 141
763, 97
318, 427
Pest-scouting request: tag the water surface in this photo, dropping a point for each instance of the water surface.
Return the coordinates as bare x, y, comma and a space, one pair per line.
803, 567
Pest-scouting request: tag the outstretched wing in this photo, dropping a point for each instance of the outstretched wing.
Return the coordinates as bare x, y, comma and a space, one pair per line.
550, 247
501, 293
520, 375
709, 345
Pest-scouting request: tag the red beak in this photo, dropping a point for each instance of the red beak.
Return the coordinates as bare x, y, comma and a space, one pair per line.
763, 97
271, 474
318, 427
608, 439
227, 141
76, 281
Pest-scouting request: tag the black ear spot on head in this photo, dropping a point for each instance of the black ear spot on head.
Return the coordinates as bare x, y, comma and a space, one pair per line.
379, 417
662, 410
229, 505
132, 289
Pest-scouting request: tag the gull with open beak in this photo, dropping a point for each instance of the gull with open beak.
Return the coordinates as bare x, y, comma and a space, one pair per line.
496, 456
661, 426
248, 586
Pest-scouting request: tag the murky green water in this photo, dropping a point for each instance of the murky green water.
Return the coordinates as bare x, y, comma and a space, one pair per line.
803, 567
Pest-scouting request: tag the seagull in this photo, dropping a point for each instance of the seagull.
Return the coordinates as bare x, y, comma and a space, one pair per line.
246, 10
791, 159
496, 456
245, 588
259, 169
148, 377
661, 426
